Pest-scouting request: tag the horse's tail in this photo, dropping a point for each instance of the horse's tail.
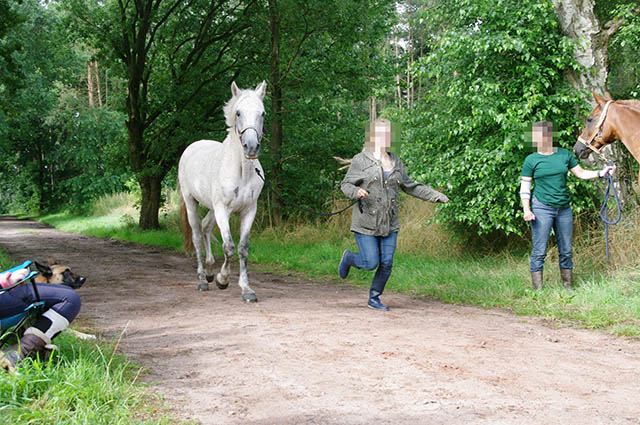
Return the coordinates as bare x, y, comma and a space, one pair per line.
184, 225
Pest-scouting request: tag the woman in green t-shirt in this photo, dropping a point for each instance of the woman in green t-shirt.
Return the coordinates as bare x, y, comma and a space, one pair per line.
549, 206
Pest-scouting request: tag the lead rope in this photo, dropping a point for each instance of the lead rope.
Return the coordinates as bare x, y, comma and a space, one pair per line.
604, 211
326, 214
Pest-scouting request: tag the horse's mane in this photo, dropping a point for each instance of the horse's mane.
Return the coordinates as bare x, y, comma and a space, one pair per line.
230, 107
631, 102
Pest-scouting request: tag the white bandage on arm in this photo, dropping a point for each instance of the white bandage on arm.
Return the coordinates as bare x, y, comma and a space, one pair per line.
525, 189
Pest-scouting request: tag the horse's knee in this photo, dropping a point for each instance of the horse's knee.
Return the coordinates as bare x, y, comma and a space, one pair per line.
228, 249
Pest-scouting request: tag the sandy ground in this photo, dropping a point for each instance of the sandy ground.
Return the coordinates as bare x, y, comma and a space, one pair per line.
312, 353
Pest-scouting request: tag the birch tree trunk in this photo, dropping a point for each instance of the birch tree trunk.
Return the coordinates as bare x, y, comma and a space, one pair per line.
579, 22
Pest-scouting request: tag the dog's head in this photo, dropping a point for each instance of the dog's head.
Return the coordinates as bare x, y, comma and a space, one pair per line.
58, 274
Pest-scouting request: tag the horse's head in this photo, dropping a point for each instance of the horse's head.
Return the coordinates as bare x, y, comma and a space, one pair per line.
598, 131
244, 113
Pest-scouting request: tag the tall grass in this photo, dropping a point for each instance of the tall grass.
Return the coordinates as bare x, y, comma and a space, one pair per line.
431, 262
83, 383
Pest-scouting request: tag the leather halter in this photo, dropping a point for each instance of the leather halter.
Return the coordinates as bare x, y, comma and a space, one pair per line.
241, 133
598, 129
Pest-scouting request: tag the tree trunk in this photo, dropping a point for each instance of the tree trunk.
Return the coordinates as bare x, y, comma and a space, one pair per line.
579, 22
98, 90
151, 199
275, 143
398, 93
41, 179
90, 86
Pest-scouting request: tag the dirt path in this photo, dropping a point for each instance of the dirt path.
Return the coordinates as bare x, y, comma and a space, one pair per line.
311, 353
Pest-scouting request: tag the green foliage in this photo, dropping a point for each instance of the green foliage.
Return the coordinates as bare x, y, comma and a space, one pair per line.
624, 50
329, 63
57, 152
494, 68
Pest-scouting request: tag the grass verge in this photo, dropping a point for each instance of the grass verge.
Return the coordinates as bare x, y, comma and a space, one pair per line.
84, 383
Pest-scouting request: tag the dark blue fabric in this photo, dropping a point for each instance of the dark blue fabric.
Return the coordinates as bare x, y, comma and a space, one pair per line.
561, 220
376, 251
60, 298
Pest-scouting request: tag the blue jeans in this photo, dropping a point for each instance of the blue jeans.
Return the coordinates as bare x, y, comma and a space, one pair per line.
376, 251
62, 299
561, 220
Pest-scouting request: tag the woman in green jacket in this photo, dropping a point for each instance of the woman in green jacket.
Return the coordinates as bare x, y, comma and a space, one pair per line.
374, 178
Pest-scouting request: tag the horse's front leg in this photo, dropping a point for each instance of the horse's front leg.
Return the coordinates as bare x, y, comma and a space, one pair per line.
246, 221
228, 247
207, 226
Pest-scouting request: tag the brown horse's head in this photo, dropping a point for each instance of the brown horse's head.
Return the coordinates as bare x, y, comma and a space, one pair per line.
597, 134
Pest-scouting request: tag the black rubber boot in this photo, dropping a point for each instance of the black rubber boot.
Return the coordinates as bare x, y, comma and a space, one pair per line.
374, 301
345, 264
567, 279
536, 280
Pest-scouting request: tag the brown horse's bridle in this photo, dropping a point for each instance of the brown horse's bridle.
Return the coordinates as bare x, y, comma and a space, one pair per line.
598, 130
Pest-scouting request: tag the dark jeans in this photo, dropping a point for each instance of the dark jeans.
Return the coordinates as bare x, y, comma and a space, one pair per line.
561, 220
60, 298
376, 251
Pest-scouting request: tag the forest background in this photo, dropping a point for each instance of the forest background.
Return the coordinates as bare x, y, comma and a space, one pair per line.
101, 97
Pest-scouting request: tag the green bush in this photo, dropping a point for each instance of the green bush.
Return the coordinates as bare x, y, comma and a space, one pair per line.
494, 68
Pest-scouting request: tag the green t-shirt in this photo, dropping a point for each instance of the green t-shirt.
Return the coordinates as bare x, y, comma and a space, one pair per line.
549, 173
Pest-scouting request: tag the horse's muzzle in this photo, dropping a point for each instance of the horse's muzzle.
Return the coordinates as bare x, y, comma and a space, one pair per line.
251, 145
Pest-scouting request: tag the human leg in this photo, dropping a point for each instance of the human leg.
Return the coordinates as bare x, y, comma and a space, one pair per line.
563, 228
387, 247
540, 230
369, 256
61, 305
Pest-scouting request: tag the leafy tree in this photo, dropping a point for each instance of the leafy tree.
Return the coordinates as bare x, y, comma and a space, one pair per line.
494, 67
323, 64
178, 59
53, 141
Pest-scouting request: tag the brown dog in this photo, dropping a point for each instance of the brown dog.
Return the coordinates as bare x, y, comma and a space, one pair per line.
61, 275
58, 274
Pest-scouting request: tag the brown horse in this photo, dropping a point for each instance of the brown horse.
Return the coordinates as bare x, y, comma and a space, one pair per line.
609, 121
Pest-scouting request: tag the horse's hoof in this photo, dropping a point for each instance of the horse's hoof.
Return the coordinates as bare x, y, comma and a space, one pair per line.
249, 298
209, 278
222, 285
203, 286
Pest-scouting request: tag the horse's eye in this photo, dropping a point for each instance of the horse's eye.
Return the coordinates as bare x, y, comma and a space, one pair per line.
238, 113
589, 119
263, 113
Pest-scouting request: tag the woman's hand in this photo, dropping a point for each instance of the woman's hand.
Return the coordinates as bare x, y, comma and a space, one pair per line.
528, 215
442, 198
607, 171
362, 193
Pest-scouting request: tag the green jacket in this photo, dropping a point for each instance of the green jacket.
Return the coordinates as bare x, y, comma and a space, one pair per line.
377, 214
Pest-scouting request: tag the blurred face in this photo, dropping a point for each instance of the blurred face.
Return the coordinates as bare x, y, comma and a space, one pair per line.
542, 137
381, 138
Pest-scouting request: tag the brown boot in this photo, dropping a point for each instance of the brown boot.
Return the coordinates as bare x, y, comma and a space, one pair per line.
567, 279
536, 280
33, 342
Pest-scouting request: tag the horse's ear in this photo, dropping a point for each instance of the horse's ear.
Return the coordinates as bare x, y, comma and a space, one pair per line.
261, 89
51, 261
600, 101
607, 96
234, 89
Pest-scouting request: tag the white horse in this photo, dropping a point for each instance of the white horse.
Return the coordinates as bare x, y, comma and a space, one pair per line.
222, 177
